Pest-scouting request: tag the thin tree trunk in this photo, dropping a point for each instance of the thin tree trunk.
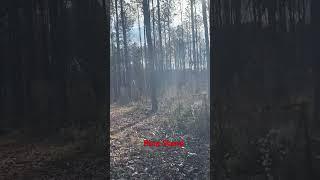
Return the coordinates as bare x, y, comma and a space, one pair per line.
141, 53
153, 28
189, 46
206, 35
118, 57
146, 13
160, 37
154, 39
182, 43
126, 55
169, 43
145, 59
196, 41
165, 45
193, 36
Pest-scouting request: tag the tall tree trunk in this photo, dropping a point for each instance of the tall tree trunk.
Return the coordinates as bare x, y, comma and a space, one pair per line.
146, 63
169, 43
196, 41
146, 13
160, 38
154, 38
141, 52
182, 50
118, 56
206, 35
153, 30
189, 40
126, 55
193, 36
165, 45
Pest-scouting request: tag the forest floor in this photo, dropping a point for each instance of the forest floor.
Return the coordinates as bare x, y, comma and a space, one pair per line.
61, 158
24, 158
130, 159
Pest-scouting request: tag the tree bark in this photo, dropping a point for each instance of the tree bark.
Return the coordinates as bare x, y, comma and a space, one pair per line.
126, 55
118, 56
193, 36
206, 35
160, 38
146, 13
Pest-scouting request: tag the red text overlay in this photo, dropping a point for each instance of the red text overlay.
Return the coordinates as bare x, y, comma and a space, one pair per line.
163, 143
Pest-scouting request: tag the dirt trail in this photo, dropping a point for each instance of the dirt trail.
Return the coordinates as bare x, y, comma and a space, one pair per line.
130, 125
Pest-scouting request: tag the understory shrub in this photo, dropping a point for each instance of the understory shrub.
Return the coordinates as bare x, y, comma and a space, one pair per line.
192, 118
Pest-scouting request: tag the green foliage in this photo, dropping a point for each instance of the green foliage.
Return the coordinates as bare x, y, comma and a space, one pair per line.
182, 117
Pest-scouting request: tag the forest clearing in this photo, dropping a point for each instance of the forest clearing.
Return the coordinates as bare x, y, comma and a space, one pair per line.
131, 124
